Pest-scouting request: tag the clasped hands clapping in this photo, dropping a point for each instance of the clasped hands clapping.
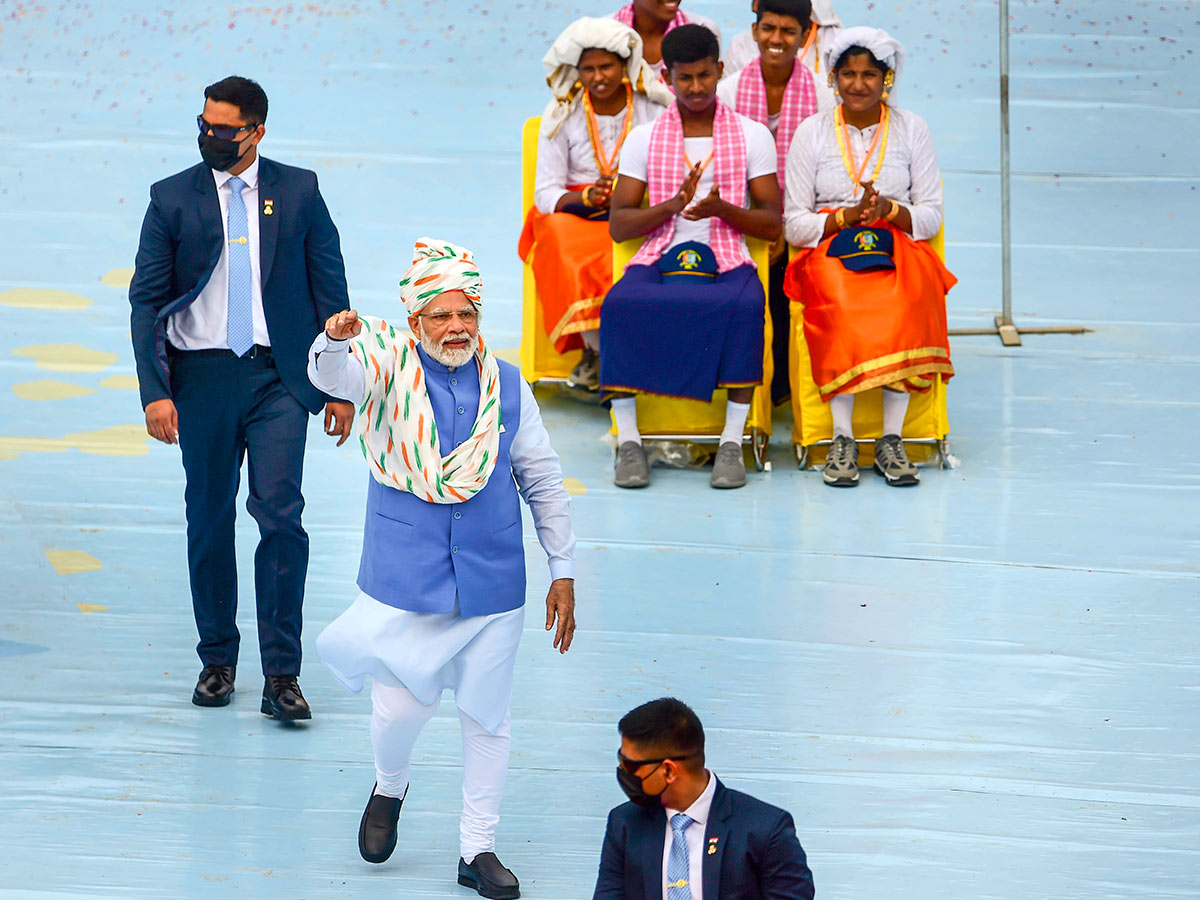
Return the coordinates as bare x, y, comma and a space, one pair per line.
871, 207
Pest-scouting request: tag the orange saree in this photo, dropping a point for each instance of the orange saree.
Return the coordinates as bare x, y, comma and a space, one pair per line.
572, 267
877, 327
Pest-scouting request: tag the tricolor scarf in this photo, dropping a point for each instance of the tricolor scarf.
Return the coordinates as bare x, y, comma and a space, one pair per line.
396, 428
666, 171
799, 102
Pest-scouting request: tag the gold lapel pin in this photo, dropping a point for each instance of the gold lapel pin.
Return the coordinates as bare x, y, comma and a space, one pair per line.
712, 846
268, 208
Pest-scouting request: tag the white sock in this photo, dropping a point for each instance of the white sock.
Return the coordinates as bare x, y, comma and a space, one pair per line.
591, 339
895, 405
735, 422
842, 407
624, 410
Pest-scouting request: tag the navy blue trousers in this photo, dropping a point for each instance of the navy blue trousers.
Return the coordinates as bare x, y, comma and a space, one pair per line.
229, 409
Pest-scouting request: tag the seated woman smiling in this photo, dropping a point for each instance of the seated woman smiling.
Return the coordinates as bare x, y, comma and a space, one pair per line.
602, 90
864, 195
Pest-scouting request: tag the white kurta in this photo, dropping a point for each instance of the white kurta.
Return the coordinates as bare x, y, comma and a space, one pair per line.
430, 652
743, 50
817, 177
567, 158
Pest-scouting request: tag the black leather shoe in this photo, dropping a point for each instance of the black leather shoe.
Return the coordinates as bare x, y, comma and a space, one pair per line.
282, 699
215, 686
377, 830
489, 877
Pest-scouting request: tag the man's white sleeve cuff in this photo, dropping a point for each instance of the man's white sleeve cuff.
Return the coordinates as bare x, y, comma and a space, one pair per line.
562, 568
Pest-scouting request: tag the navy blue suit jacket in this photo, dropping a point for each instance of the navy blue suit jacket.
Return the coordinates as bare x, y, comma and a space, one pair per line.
751, 853
300, 261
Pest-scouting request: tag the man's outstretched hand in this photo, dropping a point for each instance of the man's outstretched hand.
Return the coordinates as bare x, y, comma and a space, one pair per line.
560, 605
344, 325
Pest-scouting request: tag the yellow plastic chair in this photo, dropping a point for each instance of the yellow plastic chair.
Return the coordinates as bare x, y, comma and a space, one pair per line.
926, 425
675, 419
539, 360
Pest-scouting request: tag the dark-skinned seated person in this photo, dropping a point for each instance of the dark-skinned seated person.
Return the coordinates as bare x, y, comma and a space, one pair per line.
686, 317
683, 835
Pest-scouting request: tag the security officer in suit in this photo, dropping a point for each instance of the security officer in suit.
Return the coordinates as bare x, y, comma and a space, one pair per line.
238, 265
683, 835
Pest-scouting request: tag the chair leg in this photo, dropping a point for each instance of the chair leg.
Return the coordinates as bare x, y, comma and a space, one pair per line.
801, 451
759, 442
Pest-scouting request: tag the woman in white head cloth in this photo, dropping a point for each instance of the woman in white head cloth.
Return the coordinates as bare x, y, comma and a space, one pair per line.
864, 190
824, 24
602, 89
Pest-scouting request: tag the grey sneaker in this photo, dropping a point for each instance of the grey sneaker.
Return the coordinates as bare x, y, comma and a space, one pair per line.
892, 462
586, 374
633, 469
841, 465
729, 471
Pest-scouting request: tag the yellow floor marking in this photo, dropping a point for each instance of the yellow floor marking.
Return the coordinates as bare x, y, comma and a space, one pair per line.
72, 562
44, 298
120, 382
50, 390
116, 440
88, 608
509, 355
574, 486
68, 357
118, 278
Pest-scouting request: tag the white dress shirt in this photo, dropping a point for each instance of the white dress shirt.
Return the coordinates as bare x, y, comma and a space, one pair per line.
760, 160
698, 813
743, 51
817, 177
535, 465
202, 326
567, 158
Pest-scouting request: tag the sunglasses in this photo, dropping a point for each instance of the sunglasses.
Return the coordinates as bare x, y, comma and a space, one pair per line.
224, 132
632, 765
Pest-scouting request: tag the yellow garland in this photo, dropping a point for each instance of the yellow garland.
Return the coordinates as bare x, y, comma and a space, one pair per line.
881, 136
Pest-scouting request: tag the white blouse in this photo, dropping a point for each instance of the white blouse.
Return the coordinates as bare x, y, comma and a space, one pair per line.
567, 158
817, 177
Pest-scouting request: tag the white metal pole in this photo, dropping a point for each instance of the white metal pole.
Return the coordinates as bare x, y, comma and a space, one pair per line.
1004, 322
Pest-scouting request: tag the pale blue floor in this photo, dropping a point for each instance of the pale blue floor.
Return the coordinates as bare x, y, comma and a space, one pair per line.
988, 687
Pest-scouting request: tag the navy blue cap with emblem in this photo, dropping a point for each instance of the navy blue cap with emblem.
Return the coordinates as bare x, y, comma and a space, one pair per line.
863, 249
690, 261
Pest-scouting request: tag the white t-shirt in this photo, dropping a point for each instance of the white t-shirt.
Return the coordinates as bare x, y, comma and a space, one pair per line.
760, 160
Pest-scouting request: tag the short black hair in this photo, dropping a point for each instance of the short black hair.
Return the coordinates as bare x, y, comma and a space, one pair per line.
800, 10
855, 50
248, 96
689, 44
666, 725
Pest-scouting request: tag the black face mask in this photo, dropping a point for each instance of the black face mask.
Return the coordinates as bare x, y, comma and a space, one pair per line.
218, 154
632, 786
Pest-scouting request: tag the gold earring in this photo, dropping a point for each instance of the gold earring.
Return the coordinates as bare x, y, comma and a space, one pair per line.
889, 80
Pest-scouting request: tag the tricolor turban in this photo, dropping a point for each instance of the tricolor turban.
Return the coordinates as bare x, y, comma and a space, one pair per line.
437, 267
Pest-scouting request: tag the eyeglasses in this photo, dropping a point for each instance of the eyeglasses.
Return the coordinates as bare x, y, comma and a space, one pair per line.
467, 316
632, 765
224, 132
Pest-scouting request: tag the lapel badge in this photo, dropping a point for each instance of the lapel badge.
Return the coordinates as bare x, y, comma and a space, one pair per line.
268, 208
712, 846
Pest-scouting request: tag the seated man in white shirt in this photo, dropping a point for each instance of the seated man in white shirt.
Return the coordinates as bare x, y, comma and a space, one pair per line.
743, 49
687, 316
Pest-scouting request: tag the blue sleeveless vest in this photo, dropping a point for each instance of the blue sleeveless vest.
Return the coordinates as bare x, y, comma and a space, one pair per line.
421, 556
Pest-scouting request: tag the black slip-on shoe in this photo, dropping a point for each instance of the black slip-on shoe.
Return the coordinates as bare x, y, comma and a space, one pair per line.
377, 830
488, 876
215, 686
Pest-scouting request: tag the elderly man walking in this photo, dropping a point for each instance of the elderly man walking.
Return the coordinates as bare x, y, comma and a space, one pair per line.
451, 435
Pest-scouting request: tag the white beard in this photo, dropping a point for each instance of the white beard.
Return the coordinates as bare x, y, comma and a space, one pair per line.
447, 357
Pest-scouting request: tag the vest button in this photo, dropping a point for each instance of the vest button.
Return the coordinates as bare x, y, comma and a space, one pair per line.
458, 515
454, 381
455, 549
461, 410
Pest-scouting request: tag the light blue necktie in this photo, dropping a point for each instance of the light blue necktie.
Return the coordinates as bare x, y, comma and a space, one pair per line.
239, 327
678, 870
